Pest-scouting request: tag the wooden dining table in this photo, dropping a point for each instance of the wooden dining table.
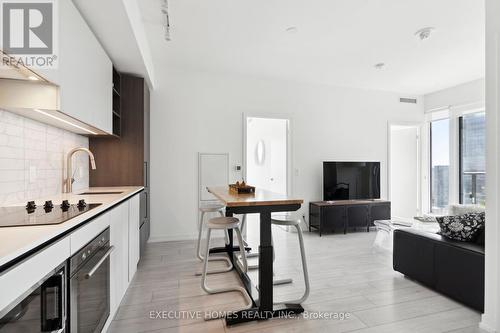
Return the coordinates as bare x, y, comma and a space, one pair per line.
264, 203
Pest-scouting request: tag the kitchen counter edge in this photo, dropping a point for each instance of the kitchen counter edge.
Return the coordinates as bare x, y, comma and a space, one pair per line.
13, 259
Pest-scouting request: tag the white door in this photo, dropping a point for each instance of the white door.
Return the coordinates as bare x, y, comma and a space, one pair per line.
267, 153
404, 171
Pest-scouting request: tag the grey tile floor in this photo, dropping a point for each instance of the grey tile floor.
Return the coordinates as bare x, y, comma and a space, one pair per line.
348, 278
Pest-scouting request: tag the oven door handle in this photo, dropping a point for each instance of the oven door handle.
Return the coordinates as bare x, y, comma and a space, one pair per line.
99, 263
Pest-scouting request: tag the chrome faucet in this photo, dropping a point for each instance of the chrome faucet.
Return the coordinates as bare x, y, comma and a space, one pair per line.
69, 166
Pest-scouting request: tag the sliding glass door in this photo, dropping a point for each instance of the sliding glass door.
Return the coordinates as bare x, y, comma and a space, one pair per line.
457, 159
472, 145
440, 165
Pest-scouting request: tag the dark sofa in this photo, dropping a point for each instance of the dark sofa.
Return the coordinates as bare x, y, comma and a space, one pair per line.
453, 268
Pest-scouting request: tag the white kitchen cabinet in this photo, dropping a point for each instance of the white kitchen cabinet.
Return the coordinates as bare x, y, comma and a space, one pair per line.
14, 282
84, 72
134, 241
119, 238
123, 222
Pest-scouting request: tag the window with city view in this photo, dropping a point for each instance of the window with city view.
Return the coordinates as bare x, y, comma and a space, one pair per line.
440, 165
472, 158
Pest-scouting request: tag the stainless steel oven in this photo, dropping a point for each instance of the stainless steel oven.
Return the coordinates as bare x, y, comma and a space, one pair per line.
42, 308
89, 286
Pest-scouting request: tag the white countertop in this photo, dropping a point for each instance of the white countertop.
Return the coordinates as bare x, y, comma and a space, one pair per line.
16, 241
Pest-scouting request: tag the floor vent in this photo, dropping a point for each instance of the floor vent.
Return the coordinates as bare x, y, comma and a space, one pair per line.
408, 100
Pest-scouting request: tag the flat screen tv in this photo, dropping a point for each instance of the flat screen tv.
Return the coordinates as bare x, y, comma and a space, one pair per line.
351, 180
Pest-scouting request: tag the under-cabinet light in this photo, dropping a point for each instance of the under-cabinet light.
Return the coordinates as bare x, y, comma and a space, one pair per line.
64, 121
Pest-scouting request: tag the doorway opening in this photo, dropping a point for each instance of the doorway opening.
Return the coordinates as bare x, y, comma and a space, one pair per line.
267, 153
267, 160
404, 170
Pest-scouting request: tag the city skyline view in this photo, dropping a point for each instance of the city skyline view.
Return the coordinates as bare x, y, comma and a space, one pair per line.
472, 156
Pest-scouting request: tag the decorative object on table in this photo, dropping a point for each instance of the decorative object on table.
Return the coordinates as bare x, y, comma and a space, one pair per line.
426, 218
464, 228
241, 188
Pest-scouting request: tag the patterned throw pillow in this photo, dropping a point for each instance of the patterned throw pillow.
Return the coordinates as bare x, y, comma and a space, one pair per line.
464, 228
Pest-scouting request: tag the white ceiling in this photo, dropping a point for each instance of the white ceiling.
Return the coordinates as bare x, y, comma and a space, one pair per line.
337, 41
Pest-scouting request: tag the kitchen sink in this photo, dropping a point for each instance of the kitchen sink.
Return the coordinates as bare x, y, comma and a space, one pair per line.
92, 193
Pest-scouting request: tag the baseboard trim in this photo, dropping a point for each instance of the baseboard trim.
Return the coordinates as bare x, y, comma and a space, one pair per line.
171, 238
486, 327
177, 238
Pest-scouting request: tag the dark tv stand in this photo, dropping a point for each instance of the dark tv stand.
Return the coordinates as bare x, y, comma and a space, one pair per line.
330, 216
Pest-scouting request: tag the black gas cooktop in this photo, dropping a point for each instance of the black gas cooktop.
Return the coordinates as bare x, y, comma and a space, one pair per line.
47, 214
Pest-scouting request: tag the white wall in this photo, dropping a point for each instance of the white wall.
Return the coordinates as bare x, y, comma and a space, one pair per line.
27, 145
193, 112
490, 319
467, 93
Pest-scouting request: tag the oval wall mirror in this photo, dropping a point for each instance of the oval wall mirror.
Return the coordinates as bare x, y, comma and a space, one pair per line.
260, 152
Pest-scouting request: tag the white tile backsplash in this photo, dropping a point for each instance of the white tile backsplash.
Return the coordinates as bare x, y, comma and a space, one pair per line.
33, 159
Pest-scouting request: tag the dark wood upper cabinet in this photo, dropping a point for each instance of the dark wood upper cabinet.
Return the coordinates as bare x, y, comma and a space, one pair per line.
124, 160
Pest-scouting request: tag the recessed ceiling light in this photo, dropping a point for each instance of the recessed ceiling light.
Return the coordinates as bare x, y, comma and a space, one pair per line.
424, 33
379, 66
291, 30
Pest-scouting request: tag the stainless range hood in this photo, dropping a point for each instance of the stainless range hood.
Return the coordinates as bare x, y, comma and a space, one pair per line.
28, 94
